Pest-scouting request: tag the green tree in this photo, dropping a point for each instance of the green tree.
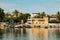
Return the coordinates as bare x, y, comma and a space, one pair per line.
7, 17
8, 14
24, 17
16, 16
43, 14
16, 12
40, 15
2, 14
48, 17
58, 15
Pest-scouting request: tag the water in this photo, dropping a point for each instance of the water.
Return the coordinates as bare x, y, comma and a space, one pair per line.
30, 34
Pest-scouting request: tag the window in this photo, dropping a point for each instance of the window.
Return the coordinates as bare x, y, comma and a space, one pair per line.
29, 20
41, 20
36, 22
33, 20
29, 23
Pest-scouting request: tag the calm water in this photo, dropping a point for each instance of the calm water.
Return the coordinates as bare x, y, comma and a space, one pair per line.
30, 34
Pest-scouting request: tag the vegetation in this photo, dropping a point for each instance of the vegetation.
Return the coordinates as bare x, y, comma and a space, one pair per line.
40, 15
17, 16
16, 13
2, 14
58, 16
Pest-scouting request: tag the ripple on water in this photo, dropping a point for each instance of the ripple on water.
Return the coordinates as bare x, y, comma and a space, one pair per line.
30, 34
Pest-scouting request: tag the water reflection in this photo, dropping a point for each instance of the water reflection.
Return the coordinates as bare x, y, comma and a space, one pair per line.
30, 34
54, 34
1, 34
40, 34
57, 33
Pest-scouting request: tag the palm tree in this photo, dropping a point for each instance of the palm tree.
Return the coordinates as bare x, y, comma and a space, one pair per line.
16, 13
7, 14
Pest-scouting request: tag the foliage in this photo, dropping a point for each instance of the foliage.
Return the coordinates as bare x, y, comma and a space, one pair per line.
2, 14
16, 12
58, 15
40, 15
43, 14
48, 17
6, 17
24, 17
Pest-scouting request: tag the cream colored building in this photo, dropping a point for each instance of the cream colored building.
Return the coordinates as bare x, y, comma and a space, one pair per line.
38, 22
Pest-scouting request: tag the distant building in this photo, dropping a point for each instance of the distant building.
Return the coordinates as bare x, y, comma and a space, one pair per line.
53, 17
38, 22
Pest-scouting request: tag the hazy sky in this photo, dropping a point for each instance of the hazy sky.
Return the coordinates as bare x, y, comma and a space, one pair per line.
31, 6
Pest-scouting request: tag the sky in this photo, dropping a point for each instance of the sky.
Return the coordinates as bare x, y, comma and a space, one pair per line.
31, 6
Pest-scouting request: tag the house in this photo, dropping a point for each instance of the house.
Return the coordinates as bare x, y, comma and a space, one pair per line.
53, 17
38, 22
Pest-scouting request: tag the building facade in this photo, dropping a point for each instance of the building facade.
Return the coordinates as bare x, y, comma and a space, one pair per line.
38, 22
